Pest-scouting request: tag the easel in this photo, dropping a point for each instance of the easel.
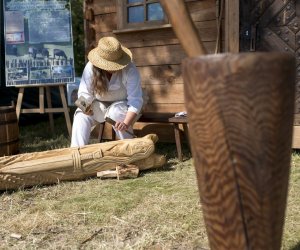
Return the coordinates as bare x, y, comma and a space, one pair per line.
42, 109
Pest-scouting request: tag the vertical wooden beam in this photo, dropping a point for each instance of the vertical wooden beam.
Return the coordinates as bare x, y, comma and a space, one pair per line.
19, 102
86, 28
49, 105
65, 108
41, 100
232, 10
121, 18
41, 109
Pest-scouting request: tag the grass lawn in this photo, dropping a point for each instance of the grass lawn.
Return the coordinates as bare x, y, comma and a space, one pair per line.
158, 210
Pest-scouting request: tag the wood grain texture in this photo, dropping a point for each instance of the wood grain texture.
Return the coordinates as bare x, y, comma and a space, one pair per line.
105, 23
121, 172
164, 107
165, 36
162, 74
232, 28
165, 94
296, 137
184, 27
9, 131
241, 117
74, 163
160, 55
278, 29
104, 6
202, 10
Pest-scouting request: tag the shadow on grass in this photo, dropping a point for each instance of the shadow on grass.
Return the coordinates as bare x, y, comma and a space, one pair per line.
166, 168
296, 247
170, 151
41, 186
296, 151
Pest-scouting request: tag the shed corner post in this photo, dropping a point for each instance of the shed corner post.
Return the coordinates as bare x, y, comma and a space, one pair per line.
232, 12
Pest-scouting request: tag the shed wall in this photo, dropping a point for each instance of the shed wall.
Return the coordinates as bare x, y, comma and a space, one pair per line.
156, 52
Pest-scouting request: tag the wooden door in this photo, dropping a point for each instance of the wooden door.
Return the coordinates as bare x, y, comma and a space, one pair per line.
273, 25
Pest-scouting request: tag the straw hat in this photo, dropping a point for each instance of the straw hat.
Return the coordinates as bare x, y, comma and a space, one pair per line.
110, 55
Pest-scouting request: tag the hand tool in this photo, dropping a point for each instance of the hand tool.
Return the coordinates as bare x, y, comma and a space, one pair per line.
113, 122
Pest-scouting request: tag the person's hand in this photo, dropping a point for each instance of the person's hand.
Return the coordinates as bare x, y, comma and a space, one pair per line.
89, 111
121, 126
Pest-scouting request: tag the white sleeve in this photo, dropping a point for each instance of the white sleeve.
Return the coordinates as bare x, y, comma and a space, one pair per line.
134, 89
85, 86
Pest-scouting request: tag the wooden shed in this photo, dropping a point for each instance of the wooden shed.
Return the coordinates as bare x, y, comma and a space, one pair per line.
224, 26
273, 26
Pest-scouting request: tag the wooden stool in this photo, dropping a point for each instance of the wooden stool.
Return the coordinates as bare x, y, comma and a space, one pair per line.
101, 130
160, 118
176, 121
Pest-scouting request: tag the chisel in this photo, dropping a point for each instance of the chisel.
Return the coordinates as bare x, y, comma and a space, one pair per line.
112, 122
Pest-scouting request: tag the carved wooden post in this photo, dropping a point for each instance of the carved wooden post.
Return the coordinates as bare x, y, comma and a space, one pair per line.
240, 112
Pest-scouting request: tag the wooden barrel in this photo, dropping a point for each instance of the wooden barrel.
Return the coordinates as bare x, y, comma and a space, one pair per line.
9, 131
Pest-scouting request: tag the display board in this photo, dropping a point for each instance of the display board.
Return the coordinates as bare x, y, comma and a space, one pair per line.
38, 42
2, 56
72, 91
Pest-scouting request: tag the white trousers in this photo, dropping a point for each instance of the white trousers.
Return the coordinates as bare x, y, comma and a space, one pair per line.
83, 124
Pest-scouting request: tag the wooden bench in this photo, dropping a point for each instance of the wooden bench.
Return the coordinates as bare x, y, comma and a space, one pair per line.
168, 118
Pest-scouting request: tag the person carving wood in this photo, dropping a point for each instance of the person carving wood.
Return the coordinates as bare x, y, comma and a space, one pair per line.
111, 84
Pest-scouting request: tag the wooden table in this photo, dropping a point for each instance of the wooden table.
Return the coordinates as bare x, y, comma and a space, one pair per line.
176, 122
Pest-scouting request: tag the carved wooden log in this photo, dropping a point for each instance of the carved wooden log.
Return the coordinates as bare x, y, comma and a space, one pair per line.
73, 163
240, 112
153, 161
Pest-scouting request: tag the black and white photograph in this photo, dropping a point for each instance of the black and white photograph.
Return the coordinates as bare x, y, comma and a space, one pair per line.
38, 37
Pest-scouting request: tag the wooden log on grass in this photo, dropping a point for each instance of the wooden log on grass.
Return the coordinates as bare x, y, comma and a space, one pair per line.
121, 172
52, 166
129, 171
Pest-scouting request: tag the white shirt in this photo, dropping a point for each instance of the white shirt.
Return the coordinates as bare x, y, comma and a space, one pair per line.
129, 77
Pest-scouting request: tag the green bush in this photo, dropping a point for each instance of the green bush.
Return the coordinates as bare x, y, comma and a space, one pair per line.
78, 35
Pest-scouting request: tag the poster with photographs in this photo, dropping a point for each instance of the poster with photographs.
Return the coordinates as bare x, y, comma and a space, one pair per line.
38, 42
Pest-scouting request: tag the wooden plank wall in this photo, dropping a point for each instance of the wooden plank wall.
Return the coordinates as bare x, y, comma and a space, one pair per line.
157, 53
